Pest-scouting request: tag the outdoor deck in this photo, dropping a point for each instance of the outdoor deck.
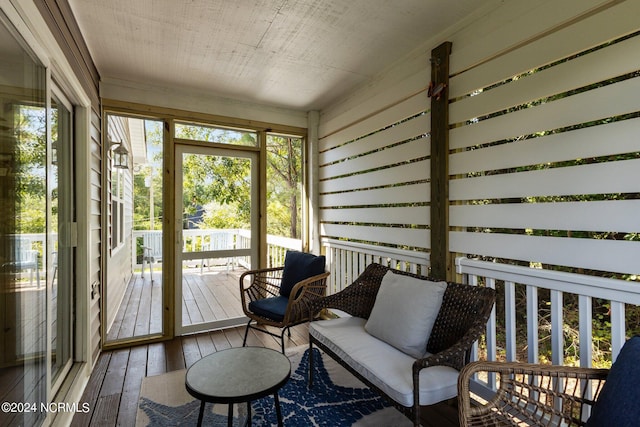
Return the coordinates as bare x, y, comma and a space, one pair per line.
212, 295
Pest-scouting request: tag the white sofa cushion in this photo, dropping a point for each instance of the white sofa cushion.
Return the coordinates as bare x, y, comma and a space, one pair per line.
404, 312
383, 365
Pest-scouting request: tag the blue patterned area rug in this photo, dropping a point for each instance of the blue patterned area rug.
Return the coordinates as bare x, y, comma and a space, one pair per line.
336, 399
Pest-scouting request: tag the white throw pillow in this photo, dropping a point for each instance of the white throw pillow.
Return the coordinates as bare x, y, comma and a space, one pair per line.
405, 311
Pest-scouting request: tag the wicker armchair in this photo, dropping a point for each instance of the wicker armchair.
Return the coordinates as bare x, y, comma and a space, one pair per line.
531, 394
265, 285
460, 322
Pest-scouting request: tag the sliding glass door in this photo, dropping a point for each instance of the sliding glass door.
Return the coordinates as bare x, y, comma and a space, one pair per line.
36, 231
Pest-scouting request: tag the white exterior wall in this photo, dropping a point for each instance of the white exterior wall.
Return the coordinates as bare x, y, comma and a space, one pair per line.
493, 168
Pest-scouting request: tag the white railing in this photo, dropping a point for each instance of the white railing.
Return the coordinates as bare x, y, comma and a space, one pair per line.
347, 260
196, 240
277, 247
559, 285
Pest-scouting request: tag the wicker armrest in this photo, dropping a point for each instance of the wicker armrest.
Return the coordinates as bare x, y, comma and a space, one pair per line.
454, 356
350, 300
531, 393
358, 298
302, 298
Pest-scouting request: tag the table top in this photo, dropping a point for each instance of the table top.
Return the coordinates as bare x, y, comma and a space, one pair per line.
238, 374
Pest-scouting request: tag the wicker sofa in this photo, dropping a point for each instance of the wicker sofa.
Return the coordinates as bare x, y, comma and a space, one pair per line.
406, 380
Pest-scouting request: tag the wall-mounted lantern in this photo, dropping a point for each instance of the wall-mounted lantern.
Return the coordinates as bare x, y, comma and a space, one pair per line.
120, 155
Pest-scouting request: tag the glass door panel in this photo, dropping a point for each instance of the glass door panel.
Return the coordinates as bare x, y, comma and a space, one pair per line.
217, 217
23, 196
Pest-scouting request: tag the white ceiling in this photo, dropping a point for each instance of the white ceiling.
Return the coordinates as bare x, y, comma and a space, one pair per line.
301, 54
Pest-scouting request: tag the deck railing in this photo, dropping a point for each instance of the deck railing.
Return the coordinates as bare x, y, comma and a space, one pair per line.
346, 260
559, 285
195, 240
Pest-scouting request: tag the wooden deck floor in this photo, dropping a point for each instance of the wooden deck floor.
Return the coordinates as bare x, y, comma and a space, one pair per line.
114, 386
212, 295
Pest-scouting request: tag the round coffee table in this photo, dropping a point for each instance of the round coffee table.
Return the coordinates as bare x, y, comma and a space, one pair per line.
238, 375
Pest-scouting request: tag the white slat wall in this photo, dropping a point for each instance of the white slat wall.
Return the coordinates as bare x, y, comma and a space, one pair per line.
374, 177
545, 167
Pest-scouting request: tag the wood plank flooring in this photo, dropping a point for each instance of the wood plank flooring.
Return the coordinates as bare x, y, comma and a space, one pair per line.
114, 386
210, 296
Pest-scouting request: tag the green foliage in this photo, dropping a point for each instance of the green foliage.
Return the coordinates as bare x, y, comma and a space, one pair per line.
222, 179
219, 216
200, 132
284, 183
31, 177
221, 184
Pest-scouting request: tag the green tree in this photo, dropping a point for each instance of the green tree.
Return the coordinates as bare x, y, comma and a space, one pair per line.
284, 158
31, 178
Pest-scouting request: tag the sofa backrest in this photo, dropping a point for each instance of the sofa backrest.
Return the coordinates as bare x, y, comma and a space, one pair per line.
465, 309
367, 285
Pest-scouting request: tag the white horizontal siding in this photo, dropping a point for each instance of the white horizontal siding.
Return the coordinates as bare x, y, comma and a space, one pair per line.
387, 115
391, 195
503, 41
609, 216
389, 176
401, 132
605, 255
418, 215
415, 149
490, 150
383, 235
607, 101
513, 39
615, 60
601, 178
579, 144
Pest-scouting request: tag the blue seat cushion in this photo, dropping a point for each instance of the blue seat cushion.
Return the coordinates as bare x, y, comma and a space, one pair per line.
272, 308
618, 404
297, 267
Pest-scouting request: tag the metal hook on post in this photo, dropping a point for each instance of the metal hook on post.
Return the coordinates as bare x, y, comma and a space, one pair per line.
435, 90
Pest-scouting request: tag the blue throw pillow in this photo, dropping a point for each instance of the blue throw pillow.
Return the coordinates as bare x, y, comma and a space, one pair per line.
619, 401
297, 267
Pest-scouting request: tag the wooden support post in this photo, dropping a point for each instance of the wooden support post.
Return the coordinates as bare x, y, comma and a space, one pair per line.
439, 92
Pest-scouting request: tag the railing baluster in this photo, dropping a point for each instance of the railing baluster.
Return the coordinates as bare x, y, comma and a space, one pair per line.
585, 311
474, 348
492, 349
510, 320
340, 271
557, 330
532, 327
585, 308
618, 328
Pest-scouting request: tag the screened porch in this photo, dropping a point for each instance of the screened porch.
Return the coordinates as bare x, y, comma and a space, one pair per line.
493, 143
